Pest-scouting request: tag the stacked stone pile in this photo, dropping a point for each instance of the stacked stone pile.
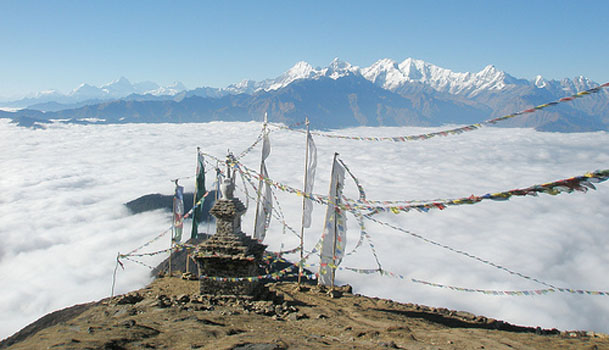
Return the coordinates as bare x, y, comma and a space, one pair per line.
230, 253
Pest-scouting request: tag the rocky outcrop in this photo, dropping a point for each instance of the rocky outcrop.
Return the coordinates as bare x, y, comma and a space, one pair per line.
172, 314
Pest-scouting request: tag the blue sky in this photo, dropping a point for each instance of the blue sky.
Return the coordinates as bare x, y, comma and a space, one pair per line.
60, 44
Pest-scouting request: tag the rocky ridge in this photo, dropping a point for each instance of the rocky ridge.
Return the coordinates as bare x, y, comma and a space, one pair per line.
171, 314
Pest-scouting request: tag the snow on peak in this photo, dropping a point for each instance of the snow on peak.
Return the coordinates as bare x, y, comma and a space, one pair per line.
339, 68
122, 81
303, 70
122, 87
337, 63
540, 82
300, 70
172, 89
245, 83
490, 78
489, 70
85, 90
48, 92
385, 73
392, 76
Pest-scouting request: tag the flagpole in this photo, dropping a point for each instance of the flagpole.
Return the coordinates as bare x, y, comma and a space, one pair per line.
326, 224
194, 232
304, 199
173, 230
259, 192
335, 224
218, 172
171, 250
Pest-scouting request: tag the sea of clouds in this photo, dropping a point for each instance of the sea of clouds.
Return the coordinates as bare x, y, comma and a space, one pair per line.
62, 218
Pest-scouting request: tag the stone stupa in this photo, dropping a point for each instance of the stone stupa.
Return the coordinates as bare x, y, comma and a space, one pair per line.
229, 253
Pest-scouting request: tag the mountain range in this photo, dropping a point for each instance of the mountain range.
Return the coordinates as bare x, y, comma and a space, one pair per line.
411, 92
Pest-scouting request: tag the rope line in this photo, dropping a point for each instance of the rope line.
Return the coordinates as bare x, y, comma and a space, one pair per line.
276, 256
277, 213
460, 252
492, 292
250, 148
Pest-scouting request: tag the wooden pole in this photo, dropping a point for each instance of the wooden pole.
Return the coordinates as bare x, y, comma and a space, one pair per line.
171, 250
335, 228
194, 232
304, 199
259, 192
333, 267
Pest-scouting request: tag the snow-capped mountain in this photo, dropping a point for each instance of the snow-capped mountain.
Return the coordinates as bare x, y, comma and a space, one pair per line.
122, 87
394, 76
403, 76
84, 93
301, 70
411, 92
170, 90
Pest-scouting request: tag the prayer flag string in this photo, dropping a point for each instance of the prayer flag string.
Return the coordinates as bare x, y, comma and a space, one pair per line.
578, 183
458, 251
493, 292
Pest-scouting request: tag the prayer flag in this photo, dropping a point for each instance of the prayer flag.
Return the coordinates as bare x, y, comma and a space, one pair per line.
197, 213
264, 206
334, 237
311, 167
178, 212
264, 212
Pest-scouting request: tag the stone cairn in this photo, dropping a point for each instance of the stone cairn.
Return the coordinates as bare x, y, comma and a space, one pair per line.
230, 253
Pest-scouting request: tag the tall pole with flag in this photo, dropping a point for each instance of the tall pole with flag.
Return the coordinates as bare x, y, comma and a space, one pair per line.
334, 235
197, 212
178, 219
307, 204
264, 200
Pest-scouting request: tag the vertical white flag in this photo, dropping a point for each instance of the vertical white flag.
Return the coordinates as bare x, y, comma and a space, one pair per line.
308, 188
178, 213
266, 147
264, 212
265, 203
334, 237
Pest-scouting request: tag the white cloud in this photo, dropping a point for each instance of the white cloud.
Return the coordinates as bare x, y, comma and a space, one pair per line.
63, 222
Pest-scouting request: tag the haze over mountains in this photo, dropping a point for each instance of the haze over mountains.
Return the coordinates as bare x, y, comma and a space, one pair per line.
412, 92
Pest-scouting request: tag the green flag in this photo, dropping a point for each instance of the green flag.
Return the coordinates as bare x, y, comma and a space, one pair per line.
197, 212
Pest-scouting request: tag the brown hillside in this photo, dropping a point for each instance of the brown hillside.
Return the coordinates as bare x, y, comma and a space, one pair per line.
170, 314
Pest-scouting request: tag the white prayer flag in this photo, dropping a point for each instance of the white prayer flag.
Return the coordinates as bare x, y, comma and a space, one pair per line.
265, 204
178, 213
334, 237
308, 188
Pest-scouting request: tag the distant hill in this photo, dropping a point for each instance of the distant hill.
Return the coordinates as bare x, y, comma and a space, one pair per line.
159, 201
